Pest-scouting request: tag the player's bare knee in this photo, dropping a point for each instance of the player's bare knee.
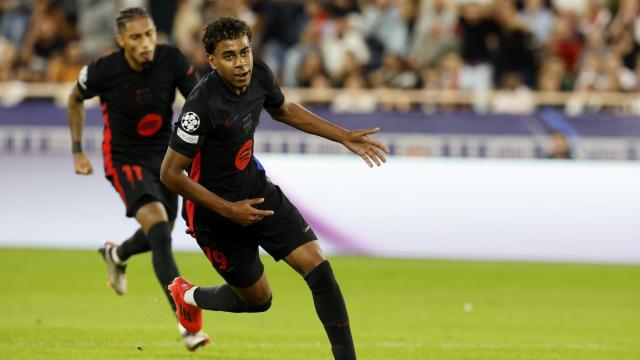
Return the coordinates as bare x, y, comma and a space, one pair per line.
151, 214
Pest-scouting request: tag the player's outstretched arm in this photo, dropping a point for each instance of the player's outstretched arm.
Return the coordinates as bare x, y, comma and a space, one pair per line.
173, 176
75, 111
358, 141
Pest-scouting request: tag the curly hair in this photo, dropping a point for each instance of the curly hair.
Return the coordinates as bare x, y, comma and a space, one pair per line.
225, 28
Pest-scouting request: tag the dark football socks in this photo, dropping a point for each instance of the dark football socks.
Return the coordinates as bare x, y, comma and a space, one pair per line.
331, 310
159, 239
223, 298
136, 244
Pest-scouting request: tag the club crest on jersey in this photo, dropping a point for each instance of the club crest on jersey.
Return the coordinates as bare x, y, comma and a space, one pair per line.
190, 121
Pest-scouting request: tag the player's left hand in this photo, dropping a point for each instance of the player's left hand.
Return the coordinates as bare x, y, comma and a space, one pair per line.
370, 150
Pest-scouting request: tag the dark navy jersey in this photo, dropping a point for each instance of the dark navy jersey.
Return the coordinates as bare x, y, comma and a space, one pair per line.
137, 105
216, 129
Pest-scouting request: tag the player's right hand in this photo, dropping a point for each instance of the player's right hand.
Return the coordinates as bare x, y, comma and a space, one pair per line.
82, 164
243, 213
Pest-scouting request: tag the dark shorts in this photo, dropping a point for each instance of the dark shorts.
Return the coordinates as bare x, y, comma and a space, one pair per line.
139, 186
233, 249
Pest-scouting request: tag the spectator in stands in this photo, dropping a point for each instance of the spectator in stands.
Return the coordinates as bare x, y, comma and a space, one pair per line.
66, 67
188, 20
385, 28
95, 26
339, 39
605, 74
283, 21
429, 80
539, 20
588, 75
559, 146
342, 7
44, 40
514, 53
477, 30
320, 82
595, 45
350, 66
308, 41
637, 73
14, 19
353, 99
625, 46
553, 74
394, 73
615, 76
566, 42
433, 33
514, 96
312, 66
596, 18
7, 58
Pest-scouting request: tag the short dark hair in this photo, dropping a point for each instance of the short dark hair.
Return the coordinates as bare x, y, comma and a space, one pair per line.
225, 28
129, 14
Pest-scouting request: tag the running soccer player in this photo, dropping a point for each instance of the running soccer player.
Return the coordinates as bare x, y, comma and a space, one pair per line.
136, 86
231, 206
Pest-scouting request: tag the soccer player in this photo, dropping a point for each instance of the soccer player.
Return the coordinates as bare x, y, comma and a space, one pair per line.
231, 206
136, 86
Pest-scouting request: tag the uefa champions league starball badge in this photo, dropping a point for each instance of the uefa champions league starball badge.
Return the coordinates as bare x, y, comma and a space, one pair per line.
190, 121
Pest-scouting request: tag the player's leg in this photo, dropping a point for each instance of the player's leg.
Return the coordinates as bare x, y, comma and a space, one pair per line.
246, 288
252, 298
115, 256
286, 235
154, 221
136, 244
238, 262
309, 262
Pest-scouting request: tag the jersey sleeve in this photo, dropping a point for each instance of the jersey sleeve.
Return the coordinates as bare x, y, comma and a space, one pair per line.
192, 126
88, 81
274, 98
185, 75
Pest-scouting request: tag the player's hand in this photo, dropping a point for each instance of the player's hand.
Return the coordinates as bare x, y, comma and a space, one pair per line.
370, 150
82, 164
243, 212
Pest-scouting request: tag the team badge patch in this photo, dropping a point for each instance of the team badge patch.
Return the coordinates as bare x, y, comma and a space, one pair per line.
190, 121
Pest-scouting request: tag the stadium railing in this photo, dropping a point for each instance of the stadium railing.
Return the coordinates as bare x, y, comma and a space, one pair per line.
16, 91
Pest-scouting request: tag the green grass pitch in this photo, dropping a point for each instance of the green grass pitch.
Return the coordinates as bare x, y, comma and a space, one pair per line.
54, 304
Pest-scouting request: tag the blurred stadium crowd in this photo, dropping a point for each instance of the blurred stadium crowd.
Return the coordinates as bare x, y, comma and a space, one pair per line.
556, 45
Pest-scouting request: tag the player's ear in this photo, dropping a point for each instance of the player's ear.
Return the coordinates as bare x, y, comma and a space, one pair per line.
120, 39
212, 61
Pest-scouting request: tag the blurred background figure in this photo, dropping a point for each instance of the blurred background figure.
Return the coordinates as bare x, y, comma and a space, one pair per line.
433, 33
559, 146
354, 99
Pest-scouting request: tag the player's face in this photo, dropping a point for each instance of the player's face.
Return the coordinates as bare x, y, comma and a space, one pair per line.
233, 61
138, 39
